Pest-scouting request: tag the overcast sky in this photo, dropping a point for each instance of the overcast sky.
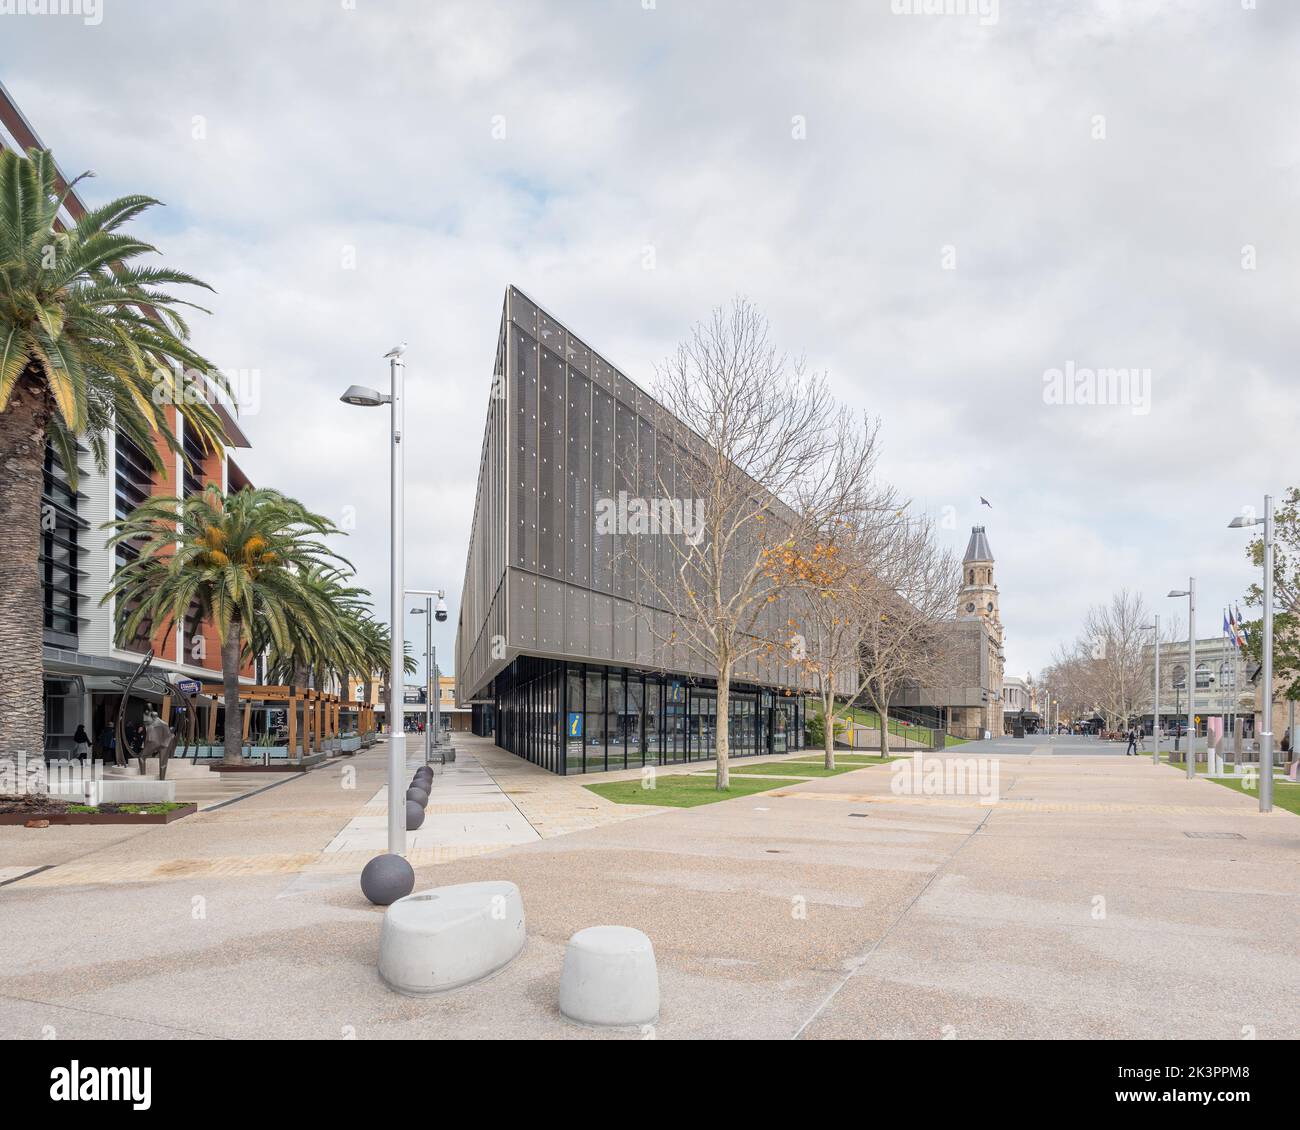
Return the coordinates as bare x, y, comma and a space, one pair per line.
937, 210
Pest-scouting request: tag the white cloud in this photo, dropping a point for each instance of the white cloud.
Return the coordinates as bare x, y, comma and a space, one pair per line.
372, 129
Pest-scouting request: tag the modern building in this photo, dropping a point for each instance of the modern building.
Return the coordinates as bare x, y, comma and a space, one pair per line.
968, 702
83, 661
562, 649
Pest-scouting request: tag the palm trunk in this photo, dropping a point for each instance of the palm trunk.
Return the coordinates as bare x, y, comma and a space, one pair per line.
300, 681
231, 649
724, 732
22, 459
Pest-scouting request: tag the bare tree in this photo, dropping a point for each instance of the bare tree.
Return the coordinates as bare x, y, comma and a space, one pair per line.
1109, 667
830, 581
755, 451
905, 611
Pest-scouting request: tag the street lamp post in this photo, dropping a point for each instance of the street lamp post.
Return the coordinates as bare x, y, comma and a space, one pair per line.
1190, 593
432, 711
1266, 734
370, 398
1155, 695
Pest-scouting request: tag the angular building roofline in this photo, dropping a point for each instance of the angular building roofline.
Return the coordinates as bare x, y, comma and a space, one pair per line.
977, 549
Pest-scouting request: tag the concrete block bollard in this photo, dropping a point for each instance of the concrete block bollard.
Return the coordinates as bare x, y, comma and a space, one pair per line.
447, 937
610, 977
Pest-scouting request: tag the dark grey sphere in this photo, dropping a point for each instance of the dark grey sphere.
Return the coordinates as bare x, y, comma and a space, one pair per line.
423, 775
420, 796
414, 815
387, 878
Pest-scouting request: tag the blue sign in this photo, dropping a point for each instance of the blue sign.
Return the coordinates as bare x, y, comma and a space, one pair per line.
575, 724
675, 692
188, 686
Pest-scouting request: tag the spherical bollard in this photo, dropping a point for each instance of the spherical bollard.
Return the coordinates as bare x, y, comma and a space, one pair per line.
387, 878
414, 815
417, 794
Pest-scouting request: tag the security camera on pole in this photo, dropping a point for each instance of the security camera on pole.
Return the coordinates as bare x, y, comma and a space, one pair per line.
432, 713
386, 878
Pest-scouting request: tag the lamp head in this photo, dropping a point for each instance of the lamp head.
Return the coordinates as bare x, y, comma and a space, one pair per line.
1240, 522
1178, 592
363, 397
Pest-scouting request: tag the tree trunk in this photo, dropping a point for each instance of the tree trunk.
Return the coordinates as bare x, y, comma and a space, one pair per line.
882, 712
300, 680
724, 731
828, 735
231, 650
22, 617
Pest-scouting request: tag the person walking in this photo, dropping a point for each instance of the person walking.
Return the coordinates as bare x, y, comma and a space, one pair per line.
108, 742
81, 744
1132, 743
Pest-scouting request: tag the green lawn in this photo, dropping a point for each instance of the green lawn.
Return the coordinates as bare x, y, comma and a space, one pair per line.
1286, 794
794, 769
841, 758
870, 719
679, 790
684, 790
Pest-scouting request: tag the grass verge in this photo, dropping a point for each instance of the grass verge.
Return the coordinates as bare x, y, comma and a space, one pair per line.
1286, 794
679, 790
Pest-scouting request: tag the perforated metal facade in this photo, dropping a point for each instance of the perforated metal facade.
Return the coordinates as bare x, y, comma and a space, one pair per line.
565, 429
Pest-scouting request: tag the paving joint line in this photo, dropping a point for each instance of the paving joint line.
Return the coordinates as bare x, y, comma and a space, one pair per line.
865, 957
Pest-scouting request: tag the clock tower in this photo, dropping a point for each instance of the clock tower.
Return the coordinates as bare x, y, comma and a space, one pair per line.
977, 600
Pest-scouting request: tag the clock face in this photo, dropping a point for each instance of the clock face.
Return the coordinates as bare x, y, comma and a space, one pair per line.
970, 607
990, 606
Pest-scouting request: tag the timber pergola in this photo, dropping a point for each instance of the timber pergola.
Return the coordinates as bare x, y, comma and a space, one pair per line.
321, 713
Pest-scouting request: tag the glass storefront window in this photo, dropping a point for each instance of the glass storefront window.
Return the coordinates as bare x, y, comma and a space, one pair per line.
632, 719
614, 721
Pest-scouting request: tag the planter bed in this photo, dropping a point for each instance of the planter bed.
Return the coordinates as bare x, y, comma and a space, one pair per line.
19, 810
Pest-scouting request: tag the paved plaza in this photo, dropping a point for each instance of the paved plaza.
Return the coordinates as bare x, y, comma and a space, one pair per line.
1099, 896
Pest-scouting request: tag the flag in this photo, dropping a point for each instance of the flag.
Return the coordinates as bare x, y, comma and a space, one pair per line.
1227, 627
1242, 635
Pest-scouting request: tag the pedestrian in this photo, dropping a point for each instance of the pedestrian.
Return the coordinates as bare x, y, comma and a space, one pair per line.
81, 743
108, 742
1132, 743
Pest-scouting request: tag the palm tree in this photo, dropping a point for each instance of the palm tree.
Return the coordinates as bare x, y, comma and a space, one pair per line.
310, 653
242, 561
376, 659
89, 342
